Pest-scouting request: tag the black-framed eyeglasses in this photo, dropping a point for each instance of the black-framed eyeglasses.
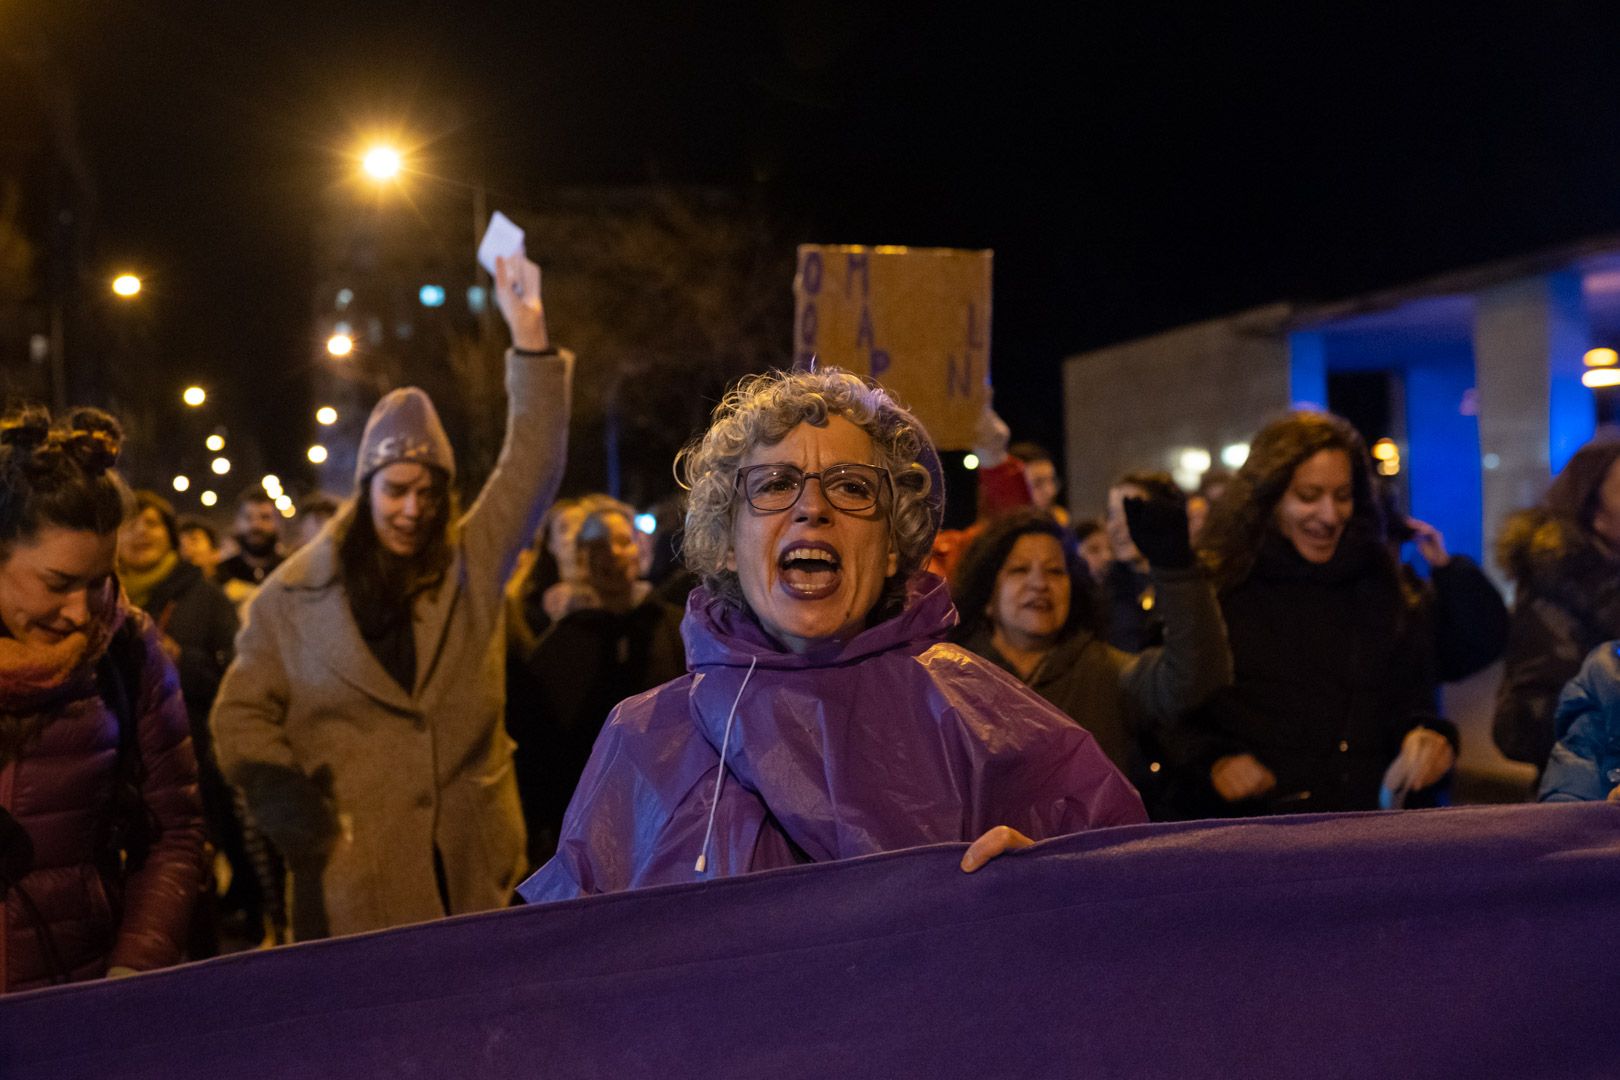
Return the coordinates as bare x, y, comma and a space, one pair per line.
850, 487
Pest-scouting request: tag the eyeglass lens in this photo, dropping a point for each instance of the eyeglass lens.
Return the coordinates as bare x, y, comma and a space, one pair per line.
846, 487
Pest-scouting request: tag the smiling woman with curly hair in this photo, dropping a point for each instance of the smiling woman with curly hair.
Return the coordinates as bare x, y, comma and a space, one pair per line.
1332, 696
823, 715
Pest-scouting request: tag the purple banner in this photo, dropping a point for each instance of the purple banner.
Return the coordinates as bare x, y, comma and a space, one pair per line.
1475, 942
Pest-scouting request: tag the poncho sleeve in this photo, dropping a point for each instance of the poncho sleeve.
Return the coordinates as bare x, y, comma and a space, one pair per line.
1030, 766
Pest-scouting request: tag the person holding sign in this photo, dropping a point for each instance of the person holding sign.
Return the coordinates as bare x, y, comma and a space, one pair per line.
823, 715
362, 716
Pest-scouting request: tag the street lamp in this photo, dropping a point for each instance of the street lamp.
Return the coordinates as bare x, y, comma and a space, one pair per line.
326, 416
221, 466
317, 454
182, 483
215, 443
382, 162
194, 396
126, 285
208, 498
340, 345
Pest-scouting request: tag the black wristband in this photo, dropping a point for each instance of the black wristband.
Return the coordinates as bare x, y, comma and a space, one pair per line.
548, 351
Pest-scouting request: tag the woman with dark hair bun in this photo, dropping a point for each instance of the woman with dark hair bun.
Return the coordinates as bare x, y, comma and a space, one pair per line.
101, 834
1330, 707
1027, 602
1563, 556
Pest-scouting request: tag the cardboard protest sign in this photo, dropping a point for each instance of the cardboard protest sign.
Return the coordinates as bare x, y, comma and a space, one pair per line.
915, 319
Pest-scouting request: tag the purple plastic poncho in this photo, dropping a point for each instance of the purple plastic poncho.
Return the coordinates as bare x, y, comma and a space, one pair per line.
889, 740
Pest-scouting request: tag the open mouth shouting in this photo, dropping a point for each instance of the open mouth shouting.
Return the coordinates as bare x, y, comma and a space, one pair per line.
810, 569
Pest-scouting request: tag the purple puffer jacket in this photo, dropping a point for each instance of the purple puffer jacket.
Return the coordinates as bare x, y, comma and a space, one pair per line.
60, 790
892, 739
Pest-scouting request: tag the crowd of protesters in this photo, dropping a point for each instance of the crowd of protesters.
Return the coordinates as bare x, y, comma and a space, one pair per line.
403, 710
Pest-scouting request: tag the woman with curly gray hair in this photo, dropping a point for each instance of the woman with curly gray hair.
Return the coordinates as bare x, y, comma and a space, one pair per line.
819, 682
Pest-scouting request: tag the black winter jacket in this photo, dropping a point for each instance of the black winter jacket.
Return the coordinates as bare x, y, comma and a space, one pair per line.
195, 613
1333, 665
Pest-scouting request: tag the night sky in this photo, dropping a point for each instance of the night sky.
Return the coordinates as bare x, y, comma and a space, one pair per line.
1133, 165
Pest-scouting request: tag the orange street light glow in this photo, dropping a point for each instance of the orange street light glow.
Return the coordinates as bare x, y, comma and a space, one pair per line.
317, 454
194, 396
326, 416
382, 162
126, 285
1601, 358
340, 344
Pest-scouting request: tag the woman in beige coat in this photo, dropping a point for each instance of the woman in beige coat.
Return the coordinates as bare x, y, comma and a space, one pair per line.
362, 717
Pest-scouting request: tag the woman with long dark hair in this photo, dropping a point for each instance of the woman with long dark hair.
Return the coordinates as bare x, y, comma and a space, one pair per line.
1027, 603
1331, 703
101, 830
362, 717
1563, 555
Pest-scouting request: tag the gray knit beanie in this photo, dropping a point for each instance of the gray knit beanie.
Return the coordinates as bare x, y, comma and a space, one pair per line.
404, 427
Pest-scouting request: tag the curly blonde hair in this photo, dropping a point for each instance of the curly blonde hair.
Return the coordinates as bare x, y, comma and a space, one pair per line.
761, 410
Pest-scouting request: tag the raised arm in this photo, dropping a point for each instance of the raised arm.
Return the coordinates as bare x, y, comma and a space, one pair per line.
530, 466
1164, 684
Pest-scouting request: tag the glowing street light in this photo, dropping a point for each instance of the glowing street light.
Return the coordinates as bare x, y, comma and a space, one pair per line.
1598, 378
208, 498
970, 462
221, 466
1601, 358
194, 396
317, 454
215, 443
340, 344
382, 162
272, 483
326, 416
182, 483
126, 285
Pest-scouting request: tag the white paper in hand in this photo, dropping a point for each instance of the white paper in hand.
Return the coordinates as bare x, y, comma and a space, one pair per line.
502, 238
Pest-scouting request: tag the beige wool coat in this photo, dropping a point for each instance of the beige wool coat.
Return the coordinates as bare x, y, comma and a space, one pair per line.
358, 782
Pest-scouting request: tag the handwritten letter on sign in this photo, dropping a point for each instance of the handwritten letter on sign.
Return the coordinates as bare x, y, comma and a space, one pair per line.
915, 319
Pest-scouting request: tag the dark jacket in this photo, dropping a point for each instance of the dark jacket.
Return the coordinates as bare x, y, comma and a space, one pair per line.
195, 613
1585, 762
1567, 604
1126, 699
582, 666
1333, 666
1133, 624
1469, 618
61, 790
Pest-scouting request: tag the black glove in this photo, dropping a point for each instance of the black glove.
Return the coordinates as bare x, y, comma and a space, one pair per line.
1159, 531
